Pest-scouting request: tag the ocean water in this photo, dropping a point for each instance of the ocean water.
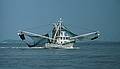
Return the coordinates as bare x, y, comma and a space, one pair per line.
91, 55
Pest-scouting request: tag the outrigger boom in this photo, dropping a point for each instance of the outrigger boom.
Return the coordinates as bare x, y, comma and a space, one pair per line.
61, 37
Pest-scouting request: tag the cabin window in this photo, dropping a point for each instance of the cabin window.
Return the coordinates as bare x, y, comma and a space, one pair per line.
61, 38
67, 37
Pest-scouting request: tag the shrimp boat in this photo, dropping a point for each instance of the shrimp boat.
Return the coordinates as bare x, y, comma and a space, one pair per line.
61, 37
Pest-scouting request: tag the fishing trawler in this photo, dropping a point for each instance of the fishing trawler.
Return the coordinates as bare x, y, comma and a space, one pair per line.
61, 37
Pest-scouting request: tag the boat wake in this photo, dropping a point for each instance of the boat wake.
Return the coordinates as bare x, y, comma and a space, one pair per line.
36, 48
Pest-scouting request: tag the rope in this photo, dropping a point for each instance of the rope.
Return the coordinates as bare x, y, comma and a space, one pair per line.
20, 43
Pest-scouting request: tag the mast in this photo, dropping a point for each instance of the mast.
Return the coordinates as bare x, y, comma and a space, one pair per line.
58, 29
60, 24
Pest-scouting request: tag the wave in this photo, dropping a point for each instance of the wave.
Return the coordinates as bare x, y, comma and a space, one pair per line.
21, 47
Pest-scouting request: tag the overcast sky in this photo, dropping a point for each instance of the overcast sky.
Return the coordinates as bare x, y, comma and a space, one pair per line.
81, 16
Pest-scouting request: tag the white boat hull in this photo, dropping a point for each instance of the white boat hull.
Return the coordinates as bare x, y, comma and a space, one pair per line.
51, 45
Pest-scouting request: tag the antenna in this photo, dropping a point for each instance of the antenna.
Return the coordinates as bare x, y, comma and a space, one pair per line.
60, 20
